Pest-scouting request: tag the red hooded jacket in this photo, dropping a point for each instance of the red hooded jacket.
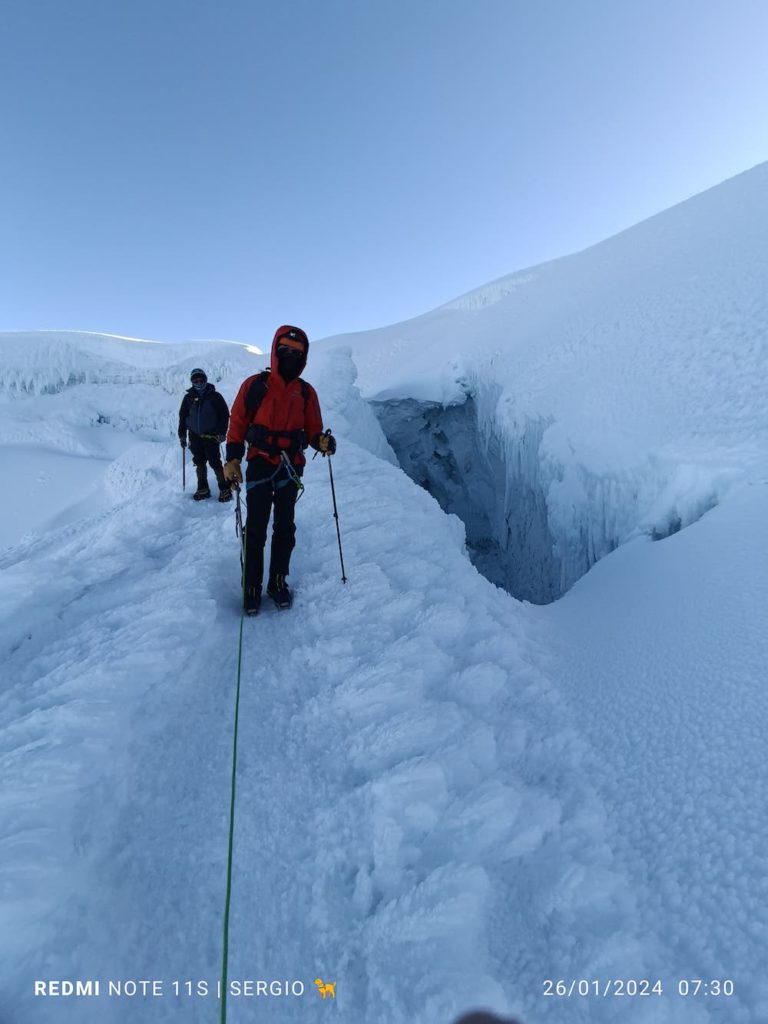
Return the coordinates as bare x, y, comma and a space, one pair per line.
286, 407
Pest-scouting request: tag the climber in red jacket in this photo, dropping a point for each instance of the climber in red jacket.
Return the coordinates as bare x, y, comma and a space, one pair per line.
277, 415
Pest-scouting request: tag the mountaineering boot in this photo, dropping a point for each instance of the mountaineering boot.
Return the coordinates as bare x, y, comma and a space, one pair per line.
225, 494
203, 490
252, 600
278, 590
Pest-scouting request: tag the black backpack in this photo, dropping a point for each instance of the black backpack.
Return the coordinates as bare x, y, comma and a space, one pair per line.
258, 390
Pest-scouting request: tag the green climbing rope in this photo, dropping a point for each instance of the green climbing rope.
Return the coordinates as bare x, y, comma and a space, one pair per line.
225, 951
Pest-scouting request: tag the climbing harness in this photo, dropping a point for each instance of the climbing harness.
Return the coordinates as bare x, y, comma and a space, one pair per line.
291, 477
267, 440
213, 437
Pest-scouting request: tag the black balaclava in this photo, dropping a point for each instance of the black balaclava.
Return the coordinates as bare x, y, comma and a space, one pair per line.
289, 363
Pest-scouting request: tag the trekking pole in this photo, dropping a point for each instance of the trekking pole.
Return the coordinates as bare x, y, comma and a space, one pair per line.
336, 517
184, 468
239, 527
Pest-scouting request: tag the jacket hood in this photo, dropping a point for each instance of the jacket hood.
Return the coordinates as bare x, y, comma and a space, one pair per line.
300, 336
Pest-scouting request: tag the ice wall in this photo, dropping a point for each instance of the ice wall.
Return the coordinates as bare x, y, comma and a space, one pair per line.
441, 449
536, 516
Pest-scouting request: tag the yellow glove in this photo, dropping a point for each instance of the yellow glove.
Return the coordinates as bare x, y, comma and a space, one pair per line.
232, 471
326, 444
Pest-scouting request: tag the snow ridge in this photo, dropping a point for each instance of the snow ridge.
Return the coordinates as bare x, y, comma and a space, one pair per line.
489, 294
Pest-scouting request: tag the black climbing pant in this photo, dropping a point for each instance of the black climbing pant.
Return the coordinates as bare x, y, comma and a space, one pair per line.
268, 485
206, 451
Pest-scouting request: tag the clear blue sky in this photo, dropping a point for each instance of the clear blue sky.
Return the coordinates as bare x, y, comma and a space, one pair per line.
196, 169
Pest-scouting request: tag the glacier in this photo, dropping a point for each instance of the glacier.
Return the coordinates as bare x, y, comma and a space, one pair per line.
450, 792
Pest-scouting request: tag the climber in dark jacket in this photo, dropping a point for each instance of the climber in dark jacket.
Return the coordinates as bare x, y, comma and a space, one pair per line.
205, 416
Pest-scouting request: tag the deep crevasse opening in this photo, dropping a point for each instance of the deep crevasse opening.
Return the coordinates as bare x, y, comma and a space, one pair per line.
536, 523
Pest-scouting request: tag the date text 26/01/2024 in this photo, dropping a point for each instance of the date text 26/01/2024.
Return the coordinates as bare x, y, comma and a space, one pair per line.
633, 987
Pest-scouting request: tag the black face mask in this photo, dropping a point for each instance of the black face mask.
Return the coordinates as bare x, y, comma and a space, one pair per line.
289, 364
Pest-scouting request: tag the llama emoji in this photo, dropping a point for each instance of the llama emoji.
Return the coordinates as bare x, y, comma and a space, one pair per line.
326, 988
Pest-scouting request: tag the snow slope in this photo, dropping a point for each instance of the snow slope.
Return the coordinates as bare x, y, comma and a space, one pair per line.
413, 821
661, 651
604, 401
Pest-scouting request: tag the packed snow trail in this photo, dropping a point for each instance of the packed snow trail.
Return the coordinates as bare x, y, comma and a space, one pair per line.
413, 821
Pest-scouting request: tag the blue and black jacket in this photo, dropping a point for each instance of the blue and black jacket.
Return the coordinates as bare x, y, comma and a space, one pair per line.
203, 412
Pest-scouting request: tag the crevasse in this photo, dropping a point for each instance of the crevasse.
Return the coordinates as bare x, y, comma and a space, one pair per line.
537, 516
